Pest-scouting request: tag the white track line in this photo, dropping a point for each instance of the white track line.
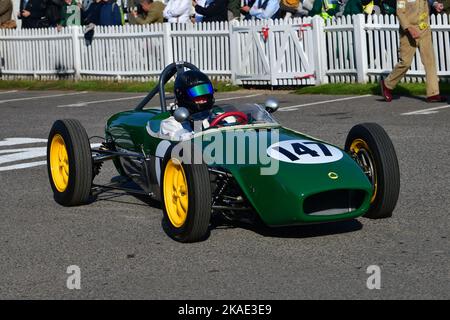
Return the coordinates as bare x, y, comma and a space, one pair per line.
23, 165
240, 97
84, 104
43, 97
291, 108
12, 91
425, 111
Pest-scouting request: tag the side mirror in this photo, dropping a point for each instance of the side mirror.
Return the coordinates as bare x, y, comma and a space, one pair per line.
181, 114
272, 105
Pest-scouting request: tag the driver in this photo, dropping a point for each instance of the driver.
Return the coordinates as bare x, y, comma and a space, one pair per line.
193, 91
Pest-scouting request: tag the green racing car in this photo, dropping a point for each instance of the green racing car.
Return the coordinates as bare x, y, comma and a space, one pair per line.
235, 160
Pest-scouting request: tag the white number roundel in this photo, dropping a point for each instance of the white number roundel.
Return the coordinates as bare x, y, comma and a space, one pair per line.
304, 152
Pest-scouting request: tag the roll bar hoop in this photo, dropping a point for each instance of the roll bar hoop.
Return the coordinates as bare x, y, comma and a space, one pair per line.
166, 75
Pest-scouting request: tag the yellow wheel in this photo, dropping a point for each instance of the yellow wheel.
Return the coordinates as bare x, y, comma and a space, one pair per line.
361, 149
59, 163
186, 197
69, 163
176, 193
370, 146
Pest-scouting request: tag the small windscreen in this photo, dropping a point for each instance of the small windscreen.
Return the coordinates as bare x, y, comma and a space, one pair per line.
201, 90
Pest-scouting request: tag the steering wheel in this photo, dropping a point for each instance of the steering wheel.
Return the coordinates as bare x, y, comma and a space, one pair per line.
241, 118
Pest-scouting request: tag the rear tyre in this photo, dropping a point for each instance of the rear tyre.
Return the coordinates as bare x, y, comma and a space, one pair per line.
186, 199
372, 148
69, 163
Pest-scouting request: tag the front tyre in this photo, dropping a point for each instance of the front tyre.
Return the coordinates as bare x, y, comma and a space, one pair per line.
373, 150
69, 163
186, 197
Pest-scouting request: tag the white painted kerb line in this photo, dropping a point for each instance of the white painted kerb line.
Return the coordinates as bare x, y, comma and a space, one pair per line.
84, 104
291, 108
11, 91
240, 97
43, 97
426, 111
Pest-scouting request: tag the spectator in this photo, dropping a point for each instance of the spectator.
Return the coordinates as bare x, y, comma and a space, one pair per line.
6, 21
53, 12
134, 5
5, 12
91, 13
290, 8
71, 13
197, 16
351, 7
153, 12
245, 9
388, 6
265, 9
110, 14
444, 6
234, 7
178, 11
325, 8
33, 14
307, 6
215, 10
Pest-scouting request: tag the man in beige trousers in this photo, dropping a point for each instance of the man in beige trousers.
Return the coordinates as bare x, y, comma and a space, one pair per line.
415, 32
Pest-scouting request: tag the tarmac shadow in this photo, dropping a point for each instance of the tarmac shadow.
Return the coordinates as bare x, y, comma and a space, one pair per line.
300, 231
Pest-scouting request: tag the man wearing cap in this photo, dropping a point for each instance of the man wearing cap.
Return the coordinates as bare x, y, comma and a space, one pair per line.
415, 32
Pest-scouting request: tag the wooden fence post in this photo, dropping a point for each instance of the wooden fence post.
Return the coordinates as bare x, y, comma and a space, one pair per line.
76, 52
168, 49
359, 36
319, 49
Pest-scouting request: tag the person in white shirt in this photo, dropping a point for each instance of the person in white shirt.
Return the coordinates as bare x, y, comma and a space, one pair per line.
178, 11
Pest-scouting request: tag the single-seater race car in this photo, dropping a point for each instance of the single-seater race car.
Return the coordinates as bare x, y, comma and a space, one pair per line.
200, 159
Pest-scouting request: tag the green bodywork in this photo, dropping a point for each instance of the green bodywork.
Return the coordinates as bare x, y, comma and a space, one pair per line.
277, 198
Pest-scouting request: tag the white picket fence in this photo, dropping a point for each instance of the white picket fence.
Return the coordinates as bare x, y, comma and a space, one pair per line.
292, 52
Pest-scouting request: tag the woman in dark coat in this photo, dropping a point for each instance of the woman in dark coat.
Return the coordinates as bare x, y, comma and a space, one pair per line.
215, 10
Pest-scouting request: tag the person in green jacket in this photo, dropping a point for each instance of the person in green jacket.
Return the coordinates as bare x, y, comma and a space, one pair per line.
70, 13
325, 8
234, 9
153, 12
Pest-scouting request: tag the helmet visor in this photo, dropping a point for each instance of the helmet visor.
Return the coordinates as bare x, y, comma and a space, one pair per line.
201, 90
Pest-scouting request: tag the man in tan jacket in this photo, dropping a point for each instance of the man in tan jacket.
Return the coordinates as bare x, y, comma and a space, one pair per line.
6, 8
415, 32
153, 12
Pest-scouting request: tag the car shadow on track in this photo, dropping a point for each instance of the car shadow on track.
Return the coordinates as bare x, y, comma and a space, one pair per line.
218, 222
304, 231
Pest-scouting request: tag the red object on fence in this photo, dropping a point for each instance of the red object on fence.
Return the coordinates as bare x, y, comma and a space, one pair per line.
265, 33
303, 28
307, 76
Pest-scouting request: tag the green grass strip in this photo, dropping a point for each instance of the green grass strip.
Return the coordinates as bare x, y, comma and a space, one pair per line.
96, 85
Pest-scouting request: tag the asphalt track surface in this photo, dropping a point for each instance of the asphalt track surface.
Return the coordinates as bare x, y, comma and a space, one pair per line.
123, 252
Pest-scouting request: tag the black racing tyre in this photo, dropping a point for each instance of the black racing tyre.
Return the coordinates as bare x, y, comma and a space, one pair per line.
69, 163
372, 148
186, 199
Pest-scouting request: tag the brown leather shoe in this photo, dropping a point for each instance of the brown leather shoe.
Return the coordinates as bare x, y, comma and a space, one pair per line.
437, 98
385, 92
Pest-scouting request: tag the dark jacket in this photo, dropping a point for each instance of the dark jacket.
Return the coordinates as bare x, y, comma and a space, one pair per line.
110, 14
216, 11
37, 18
53, 12
234, 6
91, 14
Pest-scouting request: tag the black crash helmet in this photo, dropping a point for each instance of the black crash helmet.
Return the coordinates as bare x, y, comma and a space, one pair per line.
194, 91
